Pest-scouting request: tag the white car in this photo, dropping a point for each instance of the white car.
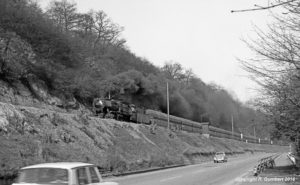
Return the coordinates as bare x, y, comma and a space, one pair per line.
220, 157
61, 173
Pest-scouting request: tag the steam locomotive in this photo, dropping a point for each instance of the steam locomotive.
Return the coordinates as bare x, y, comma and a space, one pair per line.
120, 110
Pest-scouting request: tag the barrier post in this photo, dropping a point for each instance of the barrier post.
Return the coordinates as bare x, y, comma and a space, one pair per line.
205, 129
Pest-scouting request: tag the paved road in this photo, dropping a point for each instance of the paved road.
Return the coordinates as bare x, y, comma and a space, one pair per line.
279, 175
203, 174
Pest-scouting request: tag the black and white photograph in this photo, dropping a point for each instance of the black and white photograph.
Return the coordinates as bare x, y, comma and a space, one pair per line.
149, 92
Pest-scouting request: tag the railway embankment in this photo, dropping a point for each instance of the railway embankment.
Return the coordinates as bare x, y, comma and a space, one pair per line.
32, 135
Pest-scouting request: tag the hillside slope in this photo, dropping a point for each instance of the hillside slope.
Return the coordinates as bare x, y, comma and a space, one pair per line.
34, 47
33, 135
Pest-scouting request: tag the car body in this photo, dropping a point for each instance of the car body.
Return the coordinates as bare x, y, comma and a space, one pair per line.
61, 173
220, 157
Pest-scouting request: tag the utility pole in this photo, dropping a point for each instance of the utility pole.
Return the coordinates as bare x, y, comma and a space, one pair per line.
232, 135
232, 124
254, 131
168, 106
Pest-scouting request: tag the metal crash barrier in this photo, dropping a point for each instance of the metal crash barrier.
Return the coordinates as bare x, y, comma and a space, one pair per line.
264, 163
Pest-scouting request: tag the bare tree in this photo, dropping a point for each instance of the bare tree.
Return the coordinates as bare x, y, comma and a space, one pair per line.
94, 25
276, 68
85, 24
175, 71
189, 74
106, 31
64, 13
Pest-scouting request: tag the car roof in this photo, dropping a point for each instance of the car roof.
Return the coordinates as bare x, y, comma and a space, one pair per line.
63, 165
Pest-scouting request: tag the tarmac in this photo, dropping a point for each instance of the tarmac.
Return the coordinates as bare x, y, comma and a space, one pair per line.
283, 173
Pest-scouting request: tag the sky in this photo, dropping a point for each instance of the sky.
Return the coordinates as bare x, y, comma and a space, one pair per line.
199, 34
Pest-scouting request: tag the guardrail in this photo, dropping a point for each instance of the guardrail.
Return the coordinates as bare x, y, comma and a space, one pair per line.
292, 157
267, 162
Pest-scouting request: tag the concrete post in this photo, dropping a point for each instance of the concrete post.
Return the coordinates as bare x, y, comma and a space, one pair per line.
205, 129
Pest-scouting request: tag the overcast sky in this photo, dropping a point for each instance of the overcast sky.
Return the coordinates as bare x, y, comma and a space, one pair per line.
199, 34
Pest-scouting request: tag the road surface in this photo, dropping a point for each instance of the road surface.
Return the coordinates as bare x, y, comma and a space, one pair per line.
208, 173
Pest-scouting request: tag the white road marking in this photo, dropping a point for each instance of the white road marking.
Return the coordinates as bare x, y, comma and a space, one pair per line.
171, 178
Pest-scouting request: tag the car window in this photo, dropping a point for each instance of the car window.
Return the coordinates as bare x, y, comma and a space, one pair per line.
82, 178
94, 176
52, 176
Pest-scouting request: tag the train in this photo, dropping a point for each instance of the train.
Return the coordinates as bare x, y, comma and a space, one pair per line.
124, 111
120, 110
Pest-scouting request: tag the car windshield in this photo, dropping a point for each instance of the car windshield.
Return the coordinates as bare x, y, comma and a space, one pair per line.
45, 176
220, 153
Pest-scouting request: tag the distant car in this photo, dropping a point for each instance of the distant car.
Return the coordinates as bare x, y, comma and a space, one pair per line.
220, 157
62, 173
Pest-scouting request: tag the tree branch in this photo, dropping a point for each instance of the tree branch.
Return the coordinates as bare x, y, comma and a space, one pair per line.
263, 7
